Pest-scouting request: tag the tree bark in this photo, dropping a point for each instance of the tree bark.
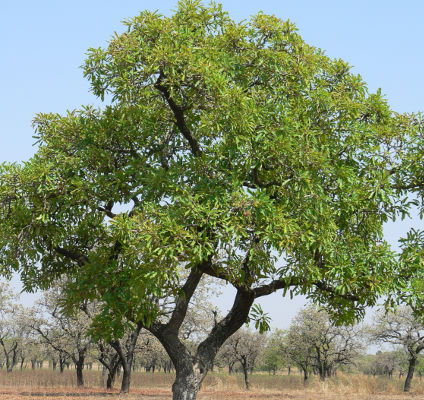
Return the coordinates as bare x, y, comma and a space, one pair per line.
191, 369
411, 369
187, 384
246, 375
79, 366
128, 358
126, 380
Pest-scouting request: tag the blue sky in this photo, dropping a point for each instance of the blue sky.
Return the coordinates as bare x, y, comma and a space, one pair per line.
43, 44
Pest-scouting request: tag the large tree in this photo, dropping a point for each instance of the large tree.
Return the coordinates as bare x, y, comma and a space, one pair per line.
232, 149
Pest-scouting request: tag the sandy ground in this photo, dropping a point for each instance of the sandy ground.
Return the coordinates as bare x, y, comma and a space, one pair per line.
162, 394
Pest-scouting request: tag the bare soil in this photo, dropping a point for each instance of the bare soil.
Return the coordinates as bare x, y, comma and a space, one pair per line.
163, 394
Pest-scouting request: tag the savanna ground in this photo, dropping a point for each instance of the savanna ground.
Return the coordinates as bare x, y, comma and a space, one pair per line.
45, 384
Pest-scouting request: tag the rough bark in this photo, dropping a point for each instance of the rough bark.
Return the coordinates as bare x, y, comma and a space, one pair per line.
79, 366
246, 375
410, 374
191, 369
111, 376
127, 357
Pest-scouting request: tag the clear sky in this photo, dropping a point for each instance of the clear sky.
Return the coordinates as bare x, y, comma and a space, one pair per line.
43, 43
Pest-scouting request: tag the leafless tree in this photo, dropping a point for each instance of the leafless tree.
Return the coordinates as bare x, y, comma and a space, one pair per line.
314, 342
400, 328
66, 333
244, 347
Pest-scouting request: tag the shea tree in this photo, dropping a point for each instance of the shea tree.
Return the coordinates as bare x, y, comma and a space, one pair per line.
229, 149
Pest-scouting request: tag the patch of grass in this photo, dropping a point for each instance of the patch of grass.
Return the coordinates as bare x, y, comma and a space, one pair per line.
43, 384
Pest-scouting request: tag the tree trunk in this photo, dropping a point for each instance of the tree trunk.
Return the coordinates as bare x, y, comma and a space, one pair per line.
110, 378
411, 368
80, 379
186, 385
61, 364
111, 374
127, 358
305, 375
246, 375
8, 364
126, 380
191, 368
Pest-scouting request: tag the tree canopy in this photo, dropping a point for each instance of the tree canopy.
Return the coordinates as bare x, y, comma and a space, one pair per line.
229, 149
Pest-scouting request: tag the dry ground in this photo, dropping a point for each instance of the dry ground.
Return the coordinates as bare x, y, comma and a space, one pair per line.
48, 385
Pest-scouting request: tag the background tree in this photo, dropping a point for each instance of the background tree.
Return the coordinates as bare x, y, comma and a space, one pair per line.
11, 328
382, 363
234, 150
66, 333
313, 341
109, 359
400, 328
244, 347
275, 357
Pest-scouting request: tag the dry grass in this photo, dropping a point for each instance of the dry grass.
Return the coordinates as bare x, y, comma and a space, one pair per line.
48, 385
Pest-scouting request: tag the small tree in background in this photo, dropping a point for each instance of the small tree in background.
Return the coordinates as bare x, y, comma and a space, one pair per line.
275, 355
244, 347
400, 328
66, 333
314, 342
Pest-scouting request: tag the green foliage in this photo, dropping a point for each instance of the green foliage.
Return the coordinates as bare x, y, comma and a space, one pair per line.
260, 318
232, 143
275, 355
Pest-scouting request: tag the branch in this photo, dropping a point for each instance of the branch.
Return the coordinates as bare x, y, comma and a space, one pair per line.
235, 318
80, 259
275, 285
179, 116
108, 209
323, 286
213, 270
184, 298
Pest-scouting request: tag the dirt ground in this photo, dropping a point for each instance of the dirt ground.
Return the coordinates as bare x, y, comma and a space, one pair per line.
162, 394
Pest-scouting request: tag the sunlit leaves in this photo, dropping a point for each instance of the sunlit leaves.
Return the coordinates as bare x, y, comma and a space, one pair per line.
235, 143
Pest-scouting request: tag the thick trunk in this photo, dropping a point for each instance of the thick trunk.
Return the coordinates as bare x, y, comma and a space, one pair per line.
126, 379
111, 375
305, 375
61, 365
191, 368
110, 379
187, 385
411, 368
80, 379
